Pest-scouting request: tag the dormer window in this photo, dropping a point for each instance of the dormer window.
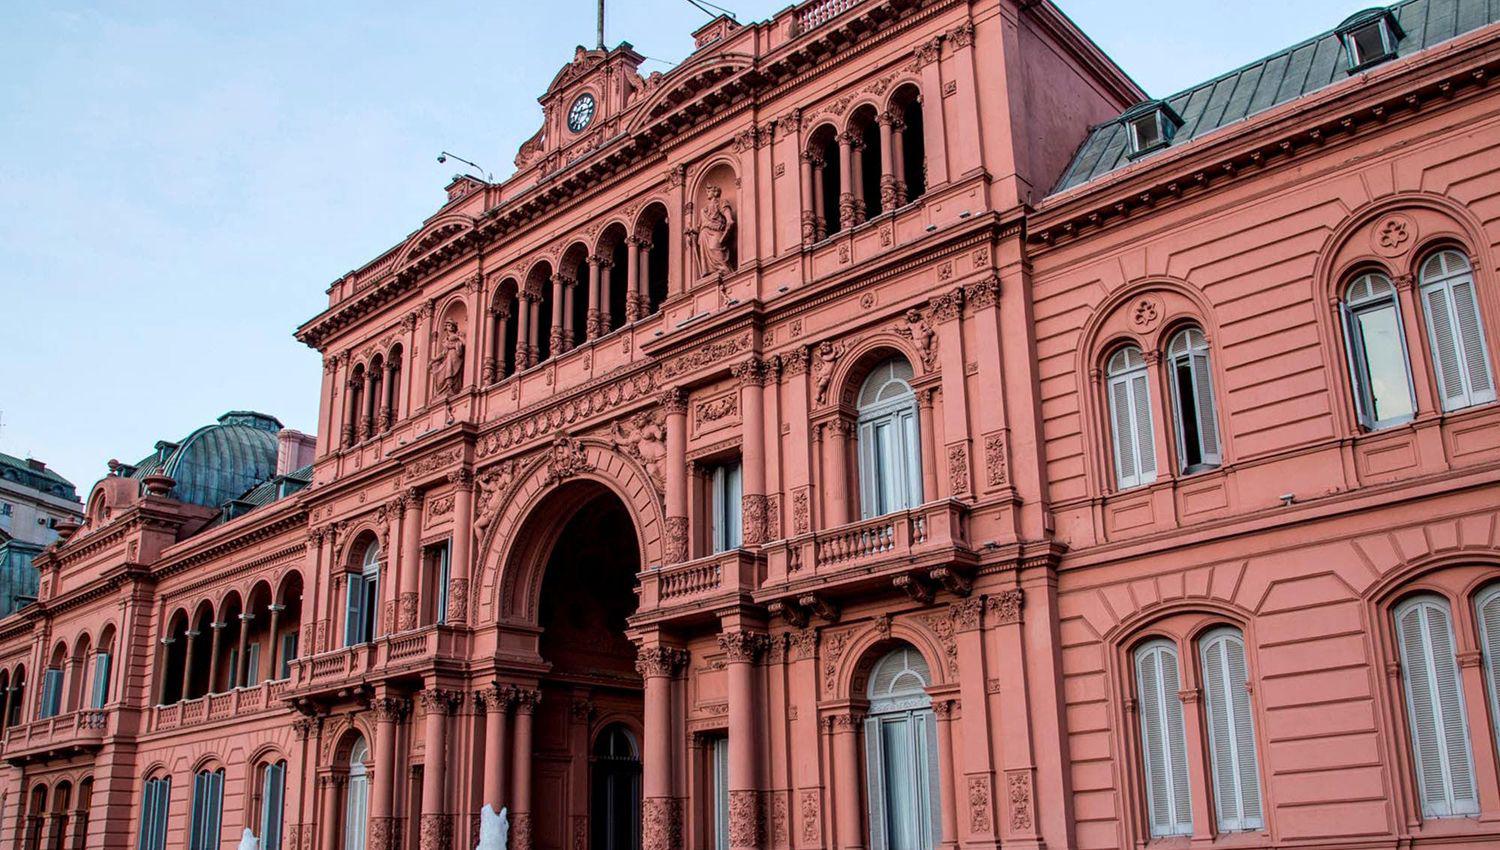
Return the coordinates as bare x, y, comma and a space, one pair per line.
1369, 37
1149, 126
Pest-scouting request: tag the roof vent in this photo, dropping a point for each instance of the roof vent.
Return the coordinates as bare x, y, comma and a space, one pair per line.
1150, 126
1370, 37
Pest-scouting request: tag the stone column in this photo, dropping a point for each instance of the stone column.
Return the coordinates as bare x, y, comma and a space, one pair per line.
928, 439
950, 788
632, 279
274, 667
410, 507
857, 177
887, 163
661, 808
368, 422
520, 809
752, 451
746, 821
555, 335
496, 702
435, 828
809, 207
388, 712
332, 790
846, 181
820, 175
187, 663
593, 314
898, 160
217, 630
570, 335
495, 369
674, 403
387, 397
643, 292
606, 287
850, 814
242, 665
350, 414
523, 330
835, 472
463, 535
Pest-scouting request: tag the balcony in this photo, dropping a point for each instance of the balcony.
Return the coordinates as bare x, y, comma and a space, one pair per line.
63, 734
869, 551
702, 583
818, 12
328, 674
230, 705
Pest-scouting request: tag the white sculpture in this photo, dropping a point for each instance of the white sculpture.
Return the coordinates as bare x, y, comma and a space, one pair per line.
248, 841
494, 830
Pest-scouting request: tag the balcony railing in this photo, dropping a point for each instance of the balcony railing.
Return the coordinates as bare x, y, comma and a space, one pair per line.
735, 571
72, 730
936, 529
820, 12
236, 703
382, 656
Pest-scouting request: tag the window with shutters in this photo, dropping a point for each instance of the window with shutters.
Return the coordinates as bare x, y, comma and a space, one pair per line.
437, 569
99, 688
1435, 717
155, 797
205, 825
723, 502
362, 599
1131, 429
1487, 618
901, 755
1163, 739
890, 448
1231, 730
1197, 425
1378, 365
718, 769
52, 689
357, 796
272, 801
1460, 358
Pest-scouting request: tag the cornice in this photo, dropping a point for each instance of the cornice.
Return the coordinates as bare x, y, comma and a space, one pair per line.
195, 555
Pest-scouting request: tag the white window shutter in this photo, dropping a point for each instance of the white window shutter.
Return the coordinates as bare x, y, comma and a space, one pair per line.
354, 603
1163, 744
1203, 404
1356, 369
273, 794
1126, 470
1434, 696
931, 774
1488, 606
721, 792
1140, 404
875, 783
1471, 338
911, 449
100, 690
869, 480
1231, 732
1445, 354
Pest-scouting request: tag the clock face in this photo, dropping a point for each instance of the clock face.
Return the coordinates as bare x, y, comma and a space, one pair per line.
581, 113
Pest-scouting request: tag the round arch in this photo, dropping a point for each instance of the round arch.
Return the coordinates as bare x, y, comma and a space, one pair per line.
875, 641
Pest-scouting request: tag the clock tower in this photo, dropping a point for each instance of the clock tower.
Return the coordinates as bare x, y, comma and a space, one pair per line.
582, 107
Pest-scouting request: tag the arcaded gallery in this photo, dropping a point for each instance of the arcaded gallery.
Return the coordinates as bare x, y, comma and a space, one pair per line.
889, 429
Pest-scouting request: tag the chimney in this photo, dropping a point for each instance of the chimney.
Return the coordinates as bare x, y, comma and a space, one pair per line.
294, 450
36, 464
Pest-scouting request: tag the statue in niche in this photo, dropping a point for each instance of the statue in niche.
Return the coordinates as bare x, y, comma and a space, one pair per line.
715, 229
447, 364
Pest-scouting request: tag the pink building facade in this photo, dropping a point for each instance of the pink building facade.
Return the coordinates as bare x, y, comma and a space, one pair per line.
887, 430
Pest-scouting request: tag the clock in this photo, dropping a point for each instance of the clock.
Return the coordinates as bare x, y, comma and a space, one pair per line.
581, 112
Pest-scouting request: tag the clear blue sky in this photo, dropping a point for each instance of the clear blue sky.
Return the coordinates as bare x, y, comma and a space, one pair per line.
180, 182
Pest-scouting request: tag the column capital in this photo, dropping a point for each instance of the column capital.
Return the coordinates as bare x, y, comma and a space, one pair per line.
526, 700
674, 400
743, 646
439, 700
390, 709
1004, 608
660, 661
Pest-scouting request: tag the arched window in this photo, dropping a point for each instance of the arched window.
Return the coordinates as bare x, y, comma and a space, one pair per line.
1163, 739
1455, 330
362, 600
272, 800
1435, 708
1377, 352
1487, 609
16, 698
52, 684
99, 684
890, 466
614, 811
901, 755
356, 796
1130, 419
1193, 402
1231, 730
208, 810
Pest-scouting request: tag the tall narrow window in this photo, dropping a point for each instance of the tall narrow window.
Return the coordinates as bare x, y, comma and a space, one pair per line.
252, 665
1231, 731
52, 688
99, 688
362, 599
1163, 739
615, 803
1130, 419
208, 810
901, 757
1459, 355
1377, 352
719, 765
154, 799
724, 506
288, 655
1193, 400
890, 449
1488, 609
1435, 709
438, 573
356, 797
272, 799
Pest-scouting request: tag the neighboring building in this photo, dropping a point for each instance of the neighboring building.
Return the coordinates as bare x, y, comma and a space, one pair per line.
886, 430
33, 500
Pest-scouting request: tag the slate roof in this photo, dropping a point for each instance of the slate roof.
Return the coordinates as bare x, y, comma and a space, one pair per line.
20, 471
1297, 71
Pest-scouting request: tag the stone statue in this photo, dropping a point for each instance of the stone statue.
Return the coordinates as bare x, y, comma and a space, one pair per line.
715, 226
447, 364
643, 437
828, 355
492, 486
494, 830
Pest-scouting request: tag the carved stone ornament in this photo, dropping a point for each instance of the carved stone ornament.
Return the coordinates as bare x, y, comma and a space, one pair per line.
958, 469
1004, 608
661, 824
828, 354
743, 646
994, 460
493, 484
1018, 792
747, 822
644, 437
566, 458
919, 330
676, 539
979, 805
1393, 235
808, 808
660, 661
1147, 314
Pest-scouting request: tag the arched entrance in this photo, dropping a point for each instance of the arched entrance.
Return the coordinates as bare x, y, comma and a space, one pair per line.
585, 536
